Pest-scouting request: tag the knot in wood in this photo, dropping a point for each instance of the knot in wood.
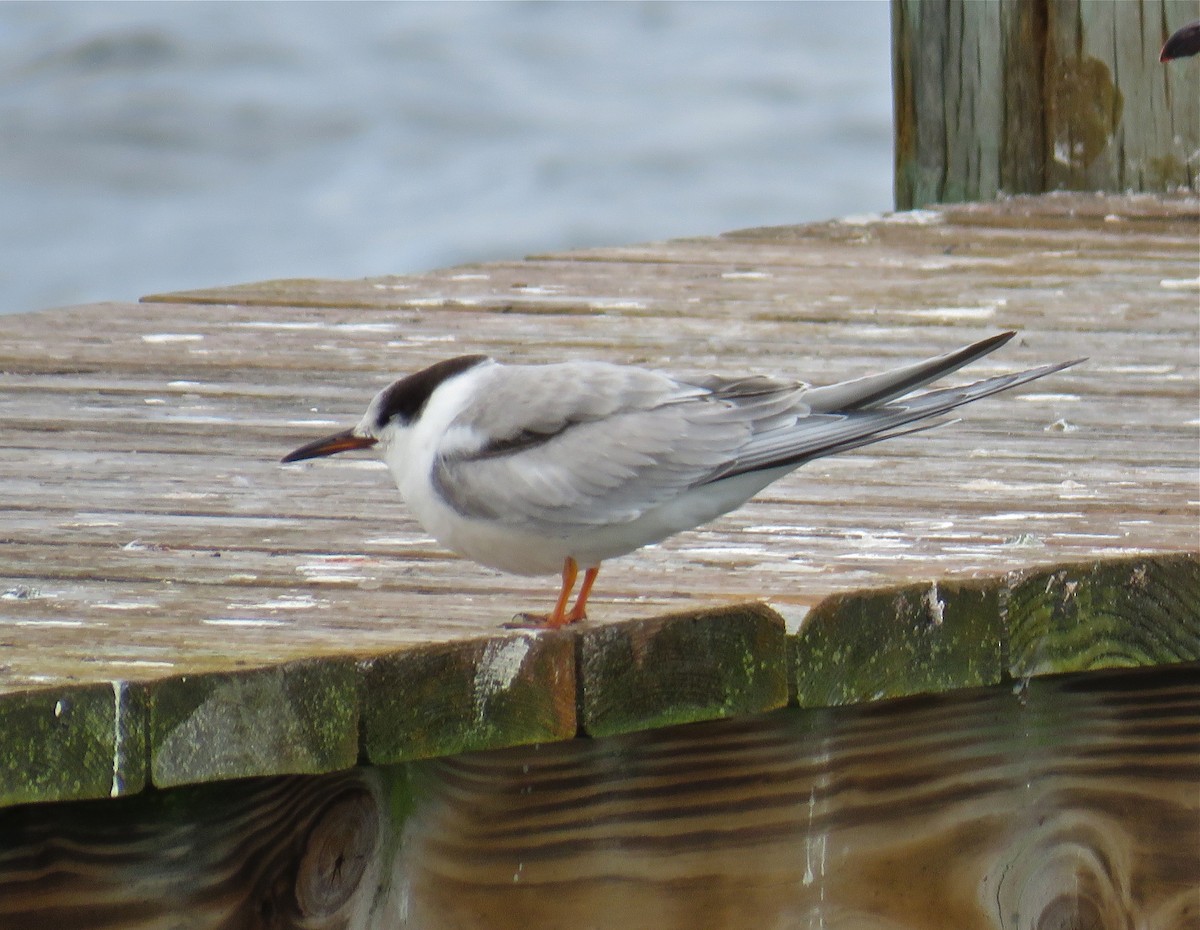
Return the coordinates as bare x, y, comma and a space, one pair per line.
1074, 912
337, 850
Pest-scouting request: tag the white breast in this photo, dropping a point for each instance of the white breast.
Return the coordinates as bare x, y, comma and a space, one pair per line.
410, 453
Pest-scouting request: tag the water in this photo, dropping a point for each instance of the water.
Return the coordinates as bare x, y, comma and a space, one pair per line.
154, 147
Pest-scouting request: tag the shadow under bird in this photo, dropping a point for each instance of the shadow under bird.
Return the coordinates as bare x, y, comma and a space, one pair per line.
539, 469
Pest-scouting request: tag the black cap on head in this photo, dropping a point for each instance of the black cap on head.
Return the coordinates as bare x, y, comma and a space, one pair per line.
407, 397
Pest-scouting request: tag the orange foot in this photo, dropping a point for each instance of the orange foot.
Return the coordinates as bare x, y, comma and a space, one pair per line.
560, 616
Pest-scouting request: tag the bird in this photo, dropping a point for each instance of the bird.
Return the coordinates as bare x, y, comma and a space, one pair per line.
555, 468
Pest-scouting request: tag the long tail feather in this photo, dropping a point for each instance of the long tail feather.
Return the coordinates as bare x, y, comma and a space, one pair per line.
879, 389
827, 434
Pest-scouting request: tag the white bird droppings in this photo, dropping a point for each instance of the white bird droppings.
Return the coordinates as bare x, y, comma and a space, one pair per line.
118, 761
934, 605
500, 665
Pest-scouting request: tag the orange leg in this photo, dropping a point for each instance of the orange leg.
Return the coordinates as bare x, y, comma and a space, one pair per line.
559, 616
579, 611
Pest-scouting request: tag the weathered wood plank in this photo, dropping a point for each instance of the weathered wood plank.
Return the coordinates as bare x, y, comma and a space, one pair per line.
704, 665
994, 97
293, 718
148, 532
70, 742
925, 638
1108, 615
442, 700
1119, 613
1071, 802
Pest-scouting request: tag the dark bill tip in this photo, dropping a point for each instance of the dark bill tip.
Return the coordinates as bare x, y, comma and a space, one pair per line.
330, 445
1183, 43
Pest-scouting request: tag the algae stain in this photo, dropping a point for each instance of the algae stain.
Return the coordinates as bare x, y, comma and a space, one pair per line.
1085, 109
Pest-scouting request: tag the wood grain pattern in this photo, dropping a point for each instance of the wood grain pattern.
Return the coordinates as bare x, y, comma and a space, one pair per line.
994, 97
933, 637
1106, 615
265, 853
1066, 802
148, 534
911, 640
1074, 802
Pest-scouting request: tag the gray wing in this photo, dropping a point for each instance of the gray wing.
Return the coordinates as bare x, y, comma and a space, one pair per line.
852, 414
823, 434
588, 444
596, 444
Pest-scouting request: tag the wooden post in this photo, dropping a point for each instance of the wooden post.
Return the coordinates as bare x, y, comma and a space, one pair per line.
1005, 97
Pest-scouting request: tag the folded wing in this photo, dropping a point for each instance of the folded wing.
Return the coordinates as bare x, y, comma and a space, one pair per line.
577, 446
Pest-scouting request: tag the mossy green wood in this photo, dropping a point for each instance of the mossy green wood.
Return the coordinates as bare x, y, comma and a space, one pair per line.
910, 640
1110, 614
66, 744
435, 701
681, 668
294, 718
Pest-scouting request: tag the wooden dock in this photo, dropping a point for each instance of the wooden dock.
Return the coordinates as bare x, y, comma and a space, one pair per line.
951, 680
175, 607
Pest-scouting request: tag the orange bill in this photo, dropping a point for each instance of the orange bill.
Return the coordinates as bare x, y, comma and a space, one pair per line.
330, 445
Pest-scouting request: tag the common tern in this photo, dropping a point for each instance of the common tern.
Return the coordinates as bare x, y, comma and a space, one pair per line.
537, 469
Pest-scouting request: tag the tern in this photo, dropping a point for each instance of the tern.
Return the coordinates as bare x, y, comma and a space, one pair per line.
543, 469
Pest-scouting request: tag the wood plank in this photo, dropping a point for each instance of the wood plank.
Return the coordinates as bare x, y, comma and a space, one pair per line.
912, 640
443, 700
1071, 802
213, 727
148, 533
982, 810
71, 742
702, 665
280, 852
1117, 614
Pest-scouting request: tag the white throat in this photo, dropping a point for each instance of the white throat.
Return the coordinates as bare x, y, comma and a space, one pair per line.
411, 450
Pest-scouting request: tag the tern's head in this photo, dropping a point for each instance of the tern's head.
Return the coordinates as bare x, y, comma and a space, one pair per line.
394, 409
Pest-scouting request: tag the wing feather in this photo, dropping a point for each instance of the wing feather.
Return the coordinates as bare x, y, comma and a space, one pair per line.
596, 444
559, 448
821, 435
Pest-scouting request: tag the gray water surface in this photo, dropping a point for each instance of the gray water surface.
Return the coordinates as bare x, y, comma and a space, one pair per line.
159, 146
